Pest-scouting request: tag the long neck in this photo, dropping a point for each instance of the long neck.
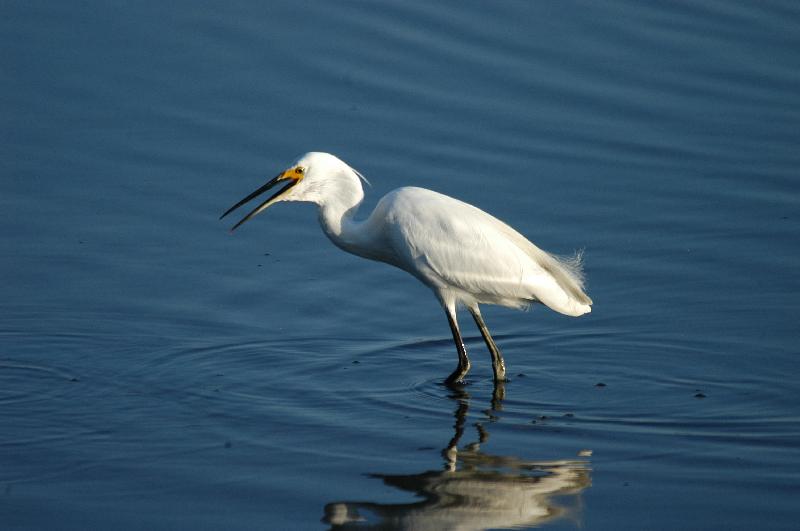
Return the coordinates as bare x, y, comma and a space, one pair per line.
336, 213
336, 219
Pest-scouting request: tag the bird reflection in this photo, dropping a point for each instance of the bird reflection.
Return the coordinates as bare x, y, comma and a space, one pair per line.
475, 490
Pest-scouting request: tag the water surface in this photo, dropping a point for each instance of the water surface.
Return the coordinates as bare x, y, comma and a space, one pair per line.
157, 372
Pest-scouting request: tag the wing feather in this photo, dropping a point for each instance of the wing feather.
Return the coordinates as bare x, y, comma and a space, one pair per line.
450, 244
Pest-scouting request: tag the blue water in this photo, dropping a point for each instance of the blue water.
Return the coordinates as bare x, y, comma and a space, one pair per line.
157, 372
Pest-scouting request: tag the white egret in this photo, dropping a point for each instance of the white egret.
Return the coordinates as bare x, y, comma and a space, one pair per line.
466, 256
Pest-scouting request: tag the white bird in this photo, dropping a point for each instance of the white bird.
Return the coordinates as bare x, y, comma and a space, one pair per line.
466, 256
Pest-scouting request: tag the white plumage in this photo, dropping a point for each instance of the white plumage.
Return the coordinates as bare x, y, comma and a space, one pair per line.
466, 256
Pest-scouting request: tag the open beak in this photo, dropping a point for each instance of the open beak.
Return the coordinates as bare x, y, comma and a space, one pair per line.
283, 176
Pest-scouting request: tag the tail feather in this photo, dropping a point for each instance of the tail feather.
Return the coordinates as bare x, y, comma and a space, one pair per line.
566, 271
574, 281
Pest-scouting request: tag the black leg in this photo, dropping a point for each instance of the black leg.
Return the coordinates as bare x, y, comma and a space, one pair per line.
498, 364
463, 361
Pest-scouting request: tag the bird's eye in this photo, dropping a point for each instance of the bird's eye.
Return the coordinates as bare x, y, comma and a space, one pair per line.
299, 171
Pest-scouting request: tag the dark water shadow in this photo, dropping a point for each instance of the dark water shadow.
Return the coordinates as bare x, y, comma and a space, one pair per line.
474, 490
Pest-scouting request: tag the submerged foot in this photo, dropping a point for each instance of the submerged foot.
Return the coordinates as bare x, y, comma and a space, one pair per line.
498, 395
457, 378
455, 381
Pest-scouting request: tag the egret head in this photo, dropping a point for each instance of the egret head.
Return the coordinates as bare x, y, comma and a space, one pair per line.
314, 177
